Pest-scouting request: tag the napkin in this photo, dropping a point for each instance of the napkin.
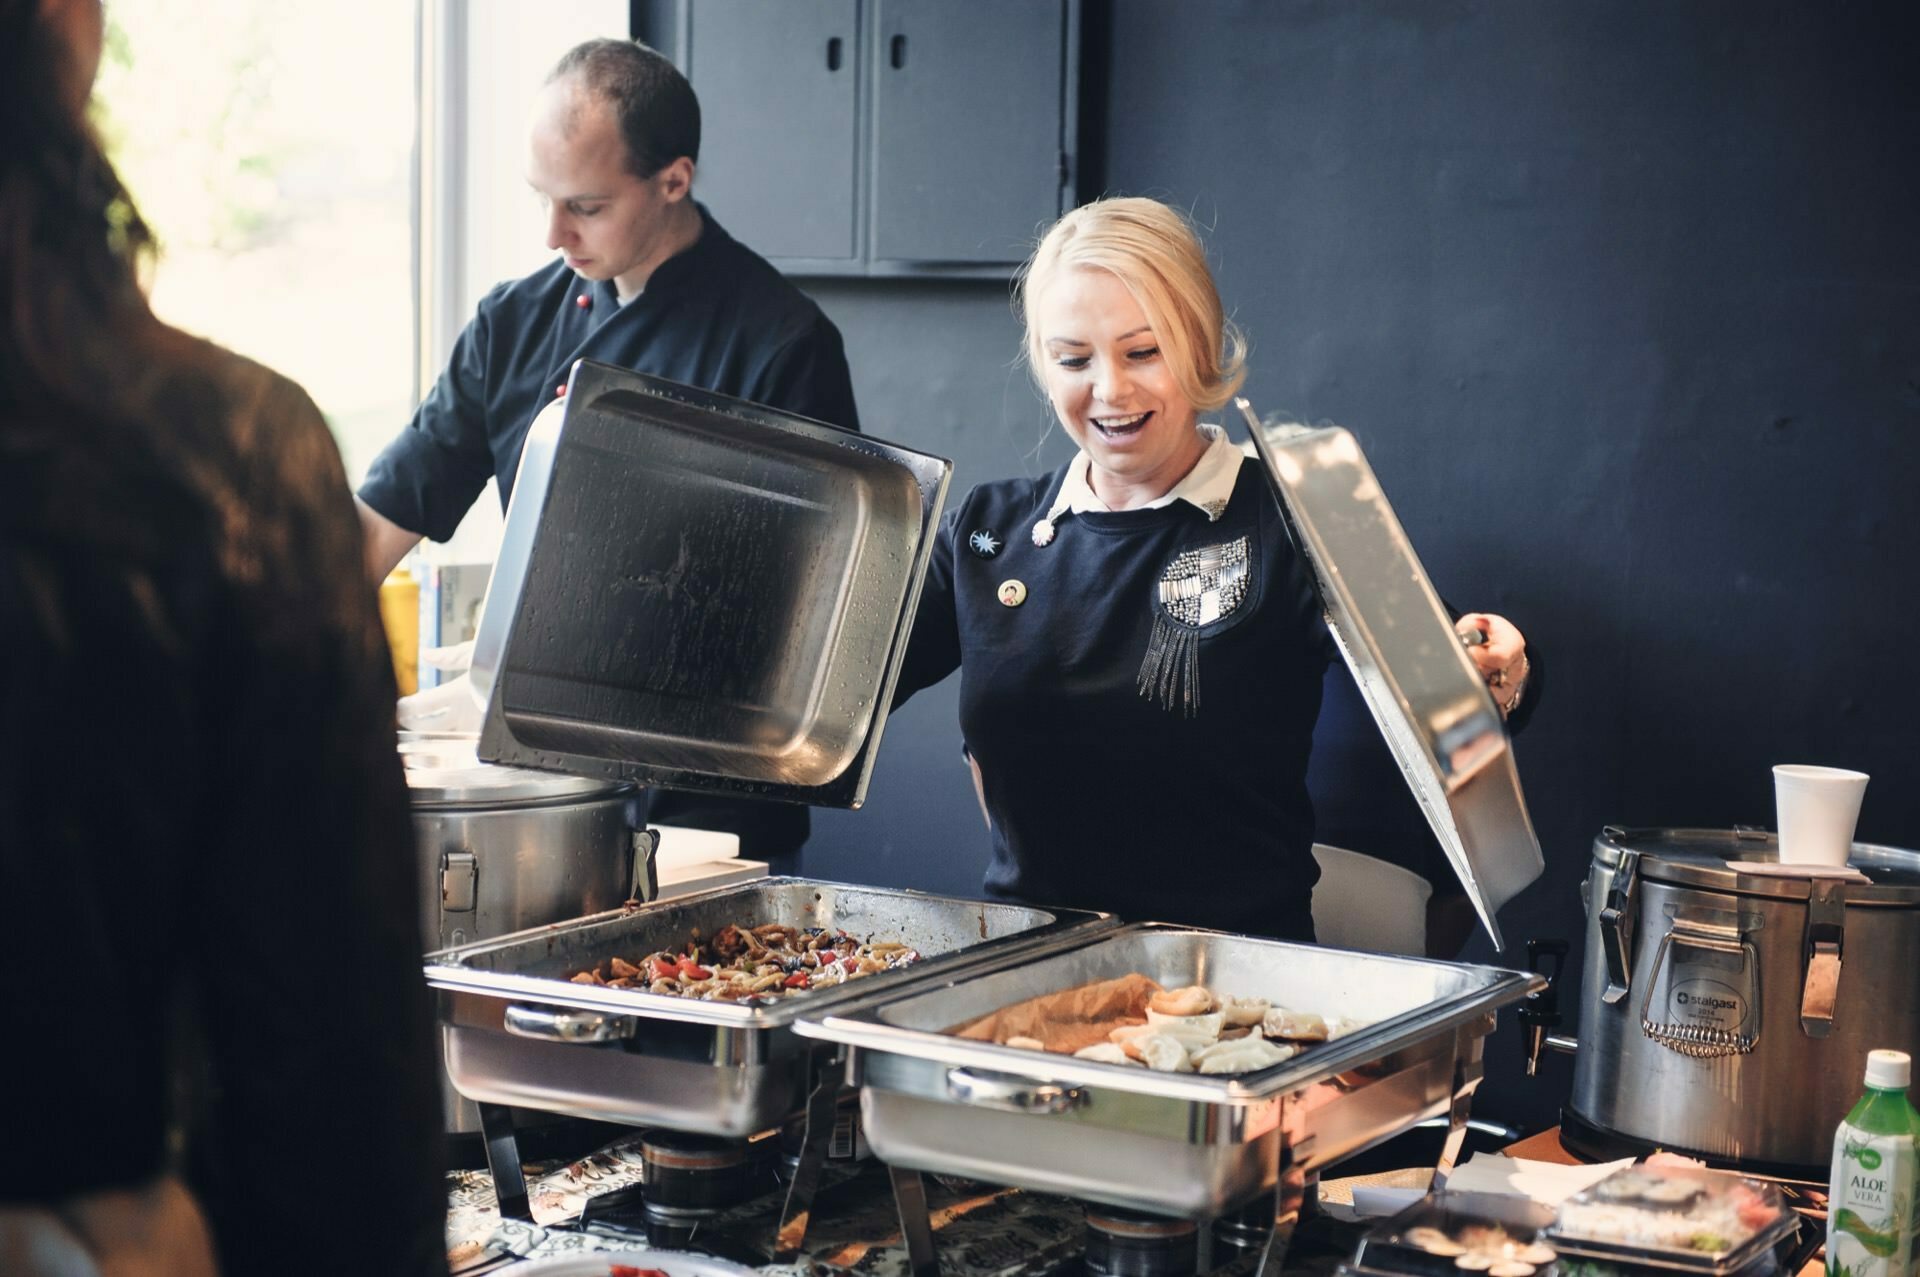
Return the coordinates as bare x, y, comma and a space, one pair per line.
1548, 1183
1769, 869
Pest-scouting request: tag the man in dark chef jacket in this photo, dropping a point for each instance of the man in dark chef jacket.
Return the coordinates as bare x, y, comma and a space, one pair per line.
644, 279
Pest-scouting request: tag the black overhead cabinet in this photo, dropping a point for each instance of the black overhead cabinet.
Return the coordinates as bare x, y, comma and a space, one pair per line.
881, 137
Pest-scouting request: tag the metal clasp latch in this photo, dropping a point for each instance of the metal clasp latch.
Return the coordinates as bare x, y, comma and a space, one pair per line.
1821, 952
459, 879
1616, 927
645, 883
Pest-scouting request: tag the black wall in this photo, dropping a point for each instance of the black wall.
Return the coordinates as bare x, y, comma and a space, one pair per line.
1621, 299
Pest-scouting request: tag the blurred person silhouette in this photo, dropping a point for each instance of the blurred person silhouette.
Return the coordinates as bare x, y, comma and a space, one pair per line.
219, 1049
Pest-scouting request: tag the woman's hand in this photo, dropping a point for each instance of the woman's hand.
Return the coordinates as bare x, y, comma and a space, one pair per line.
1501, 659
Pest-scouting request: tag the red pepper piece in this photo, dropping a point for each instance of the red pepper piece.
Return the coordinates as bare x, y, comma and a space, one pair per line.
689, 971
798, 980
663, 969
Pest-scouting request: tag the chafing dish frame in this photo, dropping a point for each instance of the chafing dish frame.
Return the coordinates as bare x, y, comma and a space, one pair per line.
517, 1033
1184, 1145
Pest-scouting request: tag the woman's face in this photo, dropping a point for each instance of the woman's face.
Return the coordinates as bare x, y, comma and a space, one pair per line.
1112, 387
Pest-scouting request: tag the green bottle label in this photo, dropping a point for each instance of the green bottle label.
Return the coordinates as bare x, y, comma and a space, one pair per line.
1874, 1202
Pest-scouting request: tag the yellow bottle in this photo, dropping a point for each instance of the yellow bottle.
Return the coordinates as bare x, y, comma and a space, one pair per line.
400, 613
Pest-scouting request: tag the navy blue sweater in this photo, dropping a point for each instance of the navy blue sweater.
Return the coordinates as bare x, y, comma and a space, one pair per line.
1099, 796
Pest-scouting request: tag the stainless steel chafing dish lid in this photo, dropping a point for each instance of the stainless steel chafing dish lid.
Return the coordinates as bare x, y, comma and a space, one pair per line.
1712, 859
701, 593
1398, 639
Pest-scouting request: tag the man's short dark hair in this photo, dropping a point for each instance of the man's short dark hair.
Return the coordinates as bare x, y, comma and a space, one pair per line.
658, 113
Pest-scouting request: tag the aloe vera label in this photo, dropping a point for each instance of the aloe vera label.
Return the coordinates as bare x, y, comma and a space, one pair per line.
1871, 1228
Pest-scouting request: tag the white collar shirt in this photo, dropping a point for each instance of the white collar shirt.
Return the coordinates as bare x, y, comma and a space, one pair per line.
1207, 487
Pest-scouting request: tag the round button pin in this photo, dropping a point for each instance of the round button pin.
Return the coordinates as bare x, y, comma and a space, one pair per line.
583, 301
983, 543
1013, 593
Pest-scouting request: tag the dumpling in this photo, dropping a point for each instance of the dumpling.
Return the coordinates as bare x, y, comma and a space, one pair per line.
1158, 1051
1106, 1053
1297, 1026
1242, 1012
1195, 999
1206, 1026
1242, 1055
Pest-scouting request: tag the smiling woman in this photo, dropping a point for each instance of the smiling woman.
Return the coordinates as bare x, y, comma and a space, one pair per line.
1139, 643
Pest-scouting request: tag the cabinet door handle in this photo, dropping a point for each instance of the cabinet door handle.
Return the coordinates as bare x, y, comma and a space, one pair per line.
833, 54
898, 54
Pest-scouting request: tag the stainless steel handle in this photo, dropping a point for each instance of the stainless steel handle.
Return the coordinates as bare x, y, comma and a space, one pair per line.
1012, 1094
550, 1025
1822, 949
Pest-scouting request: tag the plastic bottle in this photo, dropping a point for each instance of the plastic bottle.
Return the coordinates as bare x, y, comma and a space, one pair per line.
1875, 1193
400, 612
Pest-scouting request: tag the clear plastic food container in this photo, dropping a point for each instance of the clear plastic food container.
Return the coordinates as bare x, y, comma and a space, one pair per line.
1682, 1218
1460, 1235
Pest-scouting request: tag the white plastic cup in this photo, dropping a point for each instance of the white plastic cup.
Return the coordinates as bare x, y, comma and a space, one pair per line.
1817, 808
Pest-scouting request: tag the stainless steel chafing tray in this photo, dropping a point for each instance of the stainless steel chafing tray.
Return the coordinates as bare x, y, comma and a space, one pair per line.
1398, 639
702, 593
518, 1032
1176, 1144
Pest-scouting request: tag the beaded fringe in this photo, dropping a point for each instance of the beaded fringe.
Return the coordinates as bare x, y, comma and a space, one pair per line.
1171, 670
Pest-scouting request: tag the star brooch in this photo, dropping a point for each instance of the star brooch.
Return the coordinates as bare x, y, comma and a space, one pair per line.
983, 543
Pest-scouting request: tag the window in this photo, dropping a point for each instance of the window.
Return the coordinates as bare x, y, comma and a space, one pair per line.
270, 147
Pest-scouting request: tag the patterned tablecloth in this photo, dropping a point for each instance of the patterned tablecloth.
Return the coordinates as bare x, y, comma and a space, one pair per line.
980, 1230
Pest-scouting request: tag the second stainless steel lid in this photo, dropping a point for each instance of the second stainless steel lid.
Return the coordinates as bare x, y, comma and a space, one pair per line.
1713, 859
1398, 639
702, 593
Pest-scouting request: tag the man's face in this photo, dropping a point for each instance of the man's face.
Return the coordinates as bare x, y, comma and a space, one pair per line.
606, 222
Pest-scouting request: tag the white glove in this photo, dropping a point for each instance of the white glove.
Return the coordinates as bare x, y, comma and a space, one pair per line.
449, 707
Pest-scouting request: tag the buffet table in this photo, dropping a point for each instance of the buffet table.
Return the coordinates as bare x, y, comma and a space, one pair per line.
981, 1230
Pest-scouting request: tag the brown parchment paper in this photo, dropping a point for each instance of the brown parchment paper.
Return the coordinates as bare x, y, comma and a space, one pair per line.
1069, 1019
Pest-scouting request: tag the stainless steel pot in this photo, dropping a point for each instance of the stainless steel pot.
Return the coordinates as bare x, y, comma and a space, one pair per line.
1727, 1013
502, 849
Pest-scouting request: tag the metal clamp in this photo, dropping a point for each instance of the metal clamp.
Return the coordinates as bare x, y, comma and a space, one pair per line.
459, 881
645, 881
548, 1024
1012, 1094
1616, 928
1821, 952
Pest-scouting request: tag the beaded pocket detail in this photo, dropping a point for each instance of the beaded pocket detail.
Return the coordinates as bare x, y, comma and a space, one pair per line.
1197, 588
